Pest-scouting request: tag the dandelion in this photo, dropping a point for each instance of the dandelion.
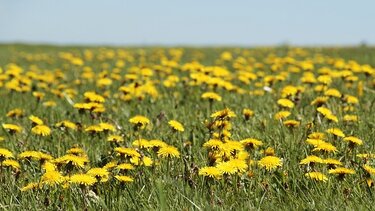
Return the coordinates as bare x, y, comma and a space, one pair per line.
282, 115
124, 179
270, 162
125, 166
11, 163
223, 114
316, 135
311, 159
11, 128
341, 171
168, 151
336, 131
66, 124
15, 113
115, 138
36, 120
52, 178
370, 170
285, 103
324, 146
211, 96
317, 176
41, 130
210, 171
101, 174
31, 186
251, 143
353, 140
139, 121
176, 125
227, 168
82, 179
213, 144
291, 123
35, 155
5, 153
127, 152
247, 113
332, 162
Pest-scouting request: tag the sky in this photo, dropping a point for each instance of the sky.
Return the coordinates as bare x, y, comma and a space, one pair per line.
189, 22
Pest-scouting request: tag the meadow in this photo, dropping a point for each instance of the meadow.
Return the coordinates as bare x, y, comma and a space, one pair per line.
110, 128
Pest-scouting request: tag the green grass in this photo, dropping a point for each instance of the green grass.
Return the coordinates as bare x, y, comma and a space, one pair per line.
174, 184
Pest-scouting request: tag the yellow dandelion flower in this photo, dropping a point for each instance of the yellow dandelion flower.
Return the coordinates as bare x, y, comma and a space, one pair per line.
311, 159
142, 143
247, 113
107, 127
48, 166
157, 143
324, 111
94, 129
176, 125
127, 152
15, 113
251, 143
52, 178
50, 103
319, 100
331, 161
213, 144
74, 160
147, 161
286, 103
12, 128
168, 151
350, 118
316, 135
341, 171
270, 162
366, 155
353, 140
332, 93
317, 176
124, 179
291, 123
101, 174
211, 96
282, 115
369, 169
30, 186
41, 130
223, 114
110, 165
93, 97
82, 179
35, 155
66, 124
139, 121
11, 163
336, 131
211, 171
226, 168
115, 138
5, 153
351, 99
36, 120
125, 166
75, 151
326, 147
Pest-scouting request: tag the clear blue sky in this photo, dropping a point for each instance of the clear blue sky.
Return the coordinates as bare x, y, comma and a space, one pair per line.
189, 22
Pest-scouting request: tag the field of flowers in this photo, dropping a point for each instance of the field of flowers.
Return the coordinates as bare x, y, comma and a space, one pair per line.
186, 128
